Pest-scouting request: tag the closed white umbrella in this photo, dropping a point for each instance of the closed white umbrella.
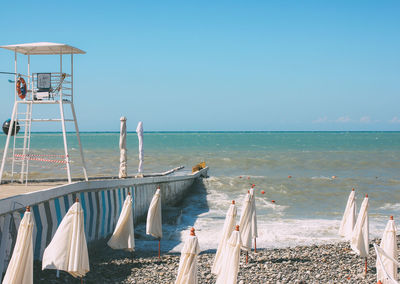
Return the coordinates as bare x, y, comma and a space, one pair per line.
229, 226
123, 158
20, 268
360, 236
254, 231
380, 254
154, 220
245, 224
139, 131
123, 236
230, 263
68, 249
187, 271
349, 217
389, 246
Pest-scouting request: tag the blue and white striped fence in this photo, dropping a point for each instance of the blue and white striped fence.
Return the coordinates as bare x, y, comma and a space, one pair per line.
101, 202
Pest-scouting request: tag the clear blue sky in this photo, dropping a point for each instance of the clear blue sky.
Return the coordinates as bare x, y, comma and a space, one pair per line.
219, 65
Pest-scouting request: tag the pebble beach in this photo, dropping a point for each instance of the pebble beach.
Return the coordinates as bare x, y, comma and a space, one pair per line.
328, 263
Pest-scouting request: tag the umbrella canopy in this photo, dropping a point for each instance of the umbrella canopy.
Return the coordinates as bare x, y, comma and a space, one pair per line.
229, 226
20, 268
68, 249
359, 238
139, 131
245, 223
380, 253
154, 221
389, 246
123, 158
349, 217
254, 231
230, 263
187, 272
123, 236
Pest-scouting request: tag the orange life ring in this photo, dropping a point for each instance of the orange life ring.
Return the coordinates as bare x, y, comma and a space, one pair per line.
21, 90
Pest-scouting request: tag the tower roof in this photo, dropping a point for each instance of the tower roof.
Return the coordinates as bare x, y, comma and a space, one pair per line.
44, 48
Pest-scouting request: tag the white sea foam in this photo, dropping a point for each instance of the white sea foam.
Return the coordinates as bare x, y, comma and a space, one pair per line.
272, 234
391, 207
322, 178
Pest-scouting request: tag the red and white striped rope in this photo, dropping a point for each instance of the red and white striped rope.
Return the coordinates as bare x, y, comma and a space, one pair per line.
45, 155
32, 158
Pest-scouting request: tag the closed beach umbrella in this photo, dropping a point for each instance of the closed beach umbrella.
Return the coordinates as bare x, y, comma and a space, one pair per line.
254, 231
389, 246
187, 271
123, 151
245, 223
359, 238
229, 226
68, 249
380, 254
20, 268
230, 263
139, 131
123, 236
349, 217
154, 221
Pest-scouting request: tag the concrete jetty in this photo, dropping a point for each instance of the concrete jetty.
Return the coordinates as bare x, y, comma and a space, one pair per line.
101, 200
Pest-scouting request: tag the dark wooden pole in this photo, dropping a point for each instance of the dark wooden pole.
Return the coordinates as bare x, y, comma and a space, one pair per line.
159, 248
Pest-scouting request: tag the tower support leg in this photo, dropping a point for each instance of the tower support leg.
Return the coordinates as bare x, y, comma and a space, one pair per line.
79, 141
65, 140
8, 141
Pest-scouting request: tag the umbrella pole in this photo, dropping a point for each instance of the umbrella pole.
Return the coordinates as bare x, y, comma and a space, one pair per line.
81, 280
247, 257
159, 248
255, 245
366, 263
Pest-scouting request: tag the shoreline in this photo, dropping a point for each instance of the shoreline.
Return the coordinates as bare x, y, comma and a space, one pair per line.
327, 263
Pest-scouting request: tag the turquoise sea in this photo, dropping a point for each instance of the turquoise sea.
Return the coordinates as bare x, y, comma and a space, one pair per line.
308, 206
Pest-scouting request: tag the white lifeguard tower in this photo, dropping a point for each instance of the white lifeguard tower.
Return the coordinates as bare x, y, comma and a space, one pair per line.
50, 89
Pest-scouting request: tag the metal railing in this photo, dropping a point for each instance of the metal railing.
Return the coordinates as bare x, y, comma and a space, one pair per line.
60, 89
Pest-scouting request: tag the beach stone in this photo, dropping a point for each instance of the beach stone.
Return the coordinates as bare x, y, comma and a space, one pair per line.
330, 263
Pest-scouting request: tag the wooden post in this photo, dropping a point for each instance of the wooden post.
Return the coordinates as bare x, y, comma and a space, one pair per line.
255, 245
159, 248
366, 258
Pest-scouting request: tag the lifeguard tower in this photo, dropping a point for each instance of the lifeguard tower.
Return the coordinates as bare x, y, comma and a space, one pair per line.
54, 89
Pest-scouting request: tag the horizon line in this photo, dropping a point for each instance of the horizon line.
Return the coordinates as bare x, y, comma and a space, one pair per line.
228, 131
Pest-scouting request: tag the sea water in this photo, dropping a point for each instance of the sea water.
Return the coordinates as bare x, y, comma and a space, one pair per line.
308, 206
